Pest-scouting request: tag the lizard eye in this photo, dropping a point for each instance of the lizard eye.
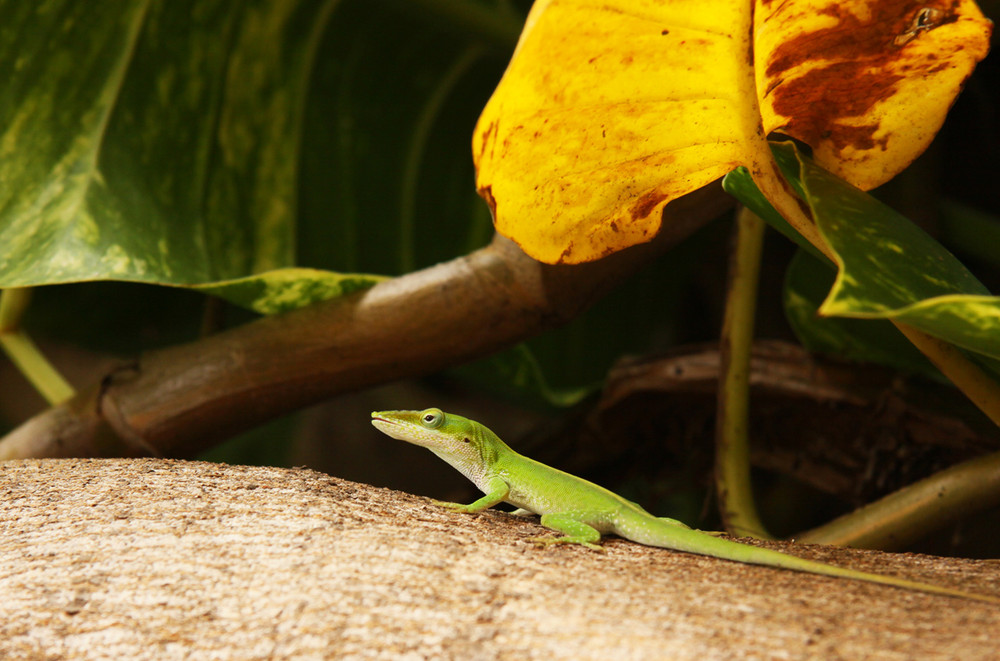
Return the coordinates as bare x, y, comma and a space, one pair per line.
432, 418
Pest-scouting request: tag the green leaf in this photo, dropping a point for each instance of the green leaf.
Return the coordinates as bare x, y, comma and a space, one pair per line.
287, 289
151, 141
162, 142
890, 268
807, 282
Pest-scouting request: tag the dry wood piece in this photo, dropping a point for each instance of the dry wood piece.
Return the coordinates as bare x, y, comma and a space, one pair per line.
855, 431
157, 559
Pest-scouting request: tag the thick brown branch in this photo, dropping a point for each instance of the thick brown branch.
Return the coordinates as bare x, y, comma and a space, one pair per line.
182, 399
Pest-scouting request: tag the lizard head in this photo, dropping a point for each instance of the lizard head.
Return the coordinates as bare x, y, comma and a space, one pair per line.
459, 441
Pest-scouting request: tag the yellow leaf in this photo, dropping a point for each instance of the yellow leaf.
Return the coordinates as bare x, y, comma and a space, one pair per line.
610, 109
606, 112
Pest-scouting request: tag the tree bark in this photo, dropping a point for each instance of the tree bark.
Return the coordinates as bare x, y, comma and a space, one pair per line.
180, 400
159, 559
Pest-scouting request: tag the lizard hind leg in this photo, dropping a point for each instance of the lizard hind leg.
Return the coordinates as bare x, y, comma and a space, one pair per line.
574, 527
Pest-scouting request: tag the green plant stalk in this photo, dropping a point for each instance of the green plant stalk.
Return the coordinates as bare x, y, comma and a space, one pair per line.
916, 510
732, 443
23, 352
35, 367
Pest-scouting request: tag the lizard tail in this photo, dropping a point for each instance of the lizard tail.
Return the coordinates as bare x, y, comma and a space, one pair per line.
664, 535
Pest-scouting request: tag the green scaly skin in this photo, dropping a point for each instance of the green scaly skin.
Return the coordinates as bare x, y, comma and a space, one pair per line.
582, 510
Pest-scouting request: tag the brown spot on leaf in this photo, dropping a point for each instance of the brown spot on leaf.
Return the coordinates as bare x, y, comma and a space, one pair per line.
858, 73
486, 192
832, 93
487, 134
645, 204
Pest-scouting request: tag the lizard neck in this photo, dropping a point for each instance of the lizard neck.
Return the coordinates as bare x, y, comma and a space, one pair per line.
478, 465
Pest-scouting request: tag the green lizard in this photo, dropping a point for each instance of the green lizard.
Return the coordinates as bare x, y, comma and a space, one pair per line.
582, 510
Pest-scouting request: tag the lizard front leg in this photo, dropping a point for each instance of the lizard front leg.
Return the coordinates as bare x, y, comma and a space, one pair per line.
498, 490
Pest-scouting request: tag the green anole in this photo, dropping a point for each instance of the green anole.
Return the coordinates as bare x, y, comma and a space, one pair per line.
582, 510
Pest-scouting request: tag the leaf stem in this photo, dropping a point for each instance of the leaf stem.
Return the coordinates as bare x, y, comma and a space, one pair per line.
910, 513
24, 353
732, 444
